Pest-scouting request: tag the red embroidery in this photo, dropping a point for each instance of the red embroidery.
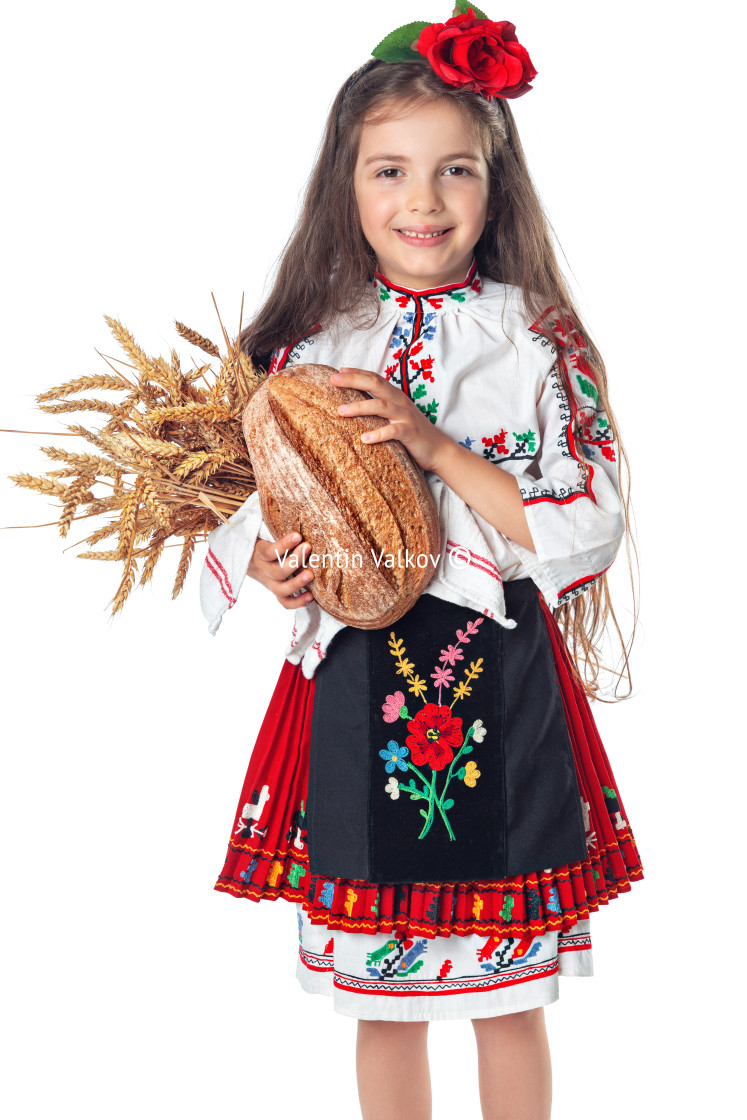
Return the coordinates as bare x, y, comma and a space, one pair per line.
476, 561
584, 579
217, 569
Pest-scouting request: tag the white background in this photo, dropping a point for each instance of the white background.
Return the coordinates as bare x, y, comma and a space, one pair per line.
155, 153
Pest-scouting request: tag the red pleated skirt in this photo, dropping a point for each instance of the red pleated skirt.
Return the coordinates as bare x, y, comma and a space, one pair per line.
267, 854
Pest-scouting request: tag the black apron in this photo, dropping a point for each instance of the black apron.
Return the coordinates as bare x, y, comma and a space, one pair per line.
478, 783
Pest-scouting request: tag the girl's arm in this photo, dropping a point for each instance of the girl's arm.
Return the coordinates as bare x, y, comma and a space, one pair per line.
491, 491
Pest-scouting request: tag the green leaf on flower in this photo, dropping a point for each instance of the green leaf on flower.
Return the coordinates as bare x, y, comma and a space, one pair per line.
467, 749
447, 804
395, 47
423, 813
461, 7
461, 772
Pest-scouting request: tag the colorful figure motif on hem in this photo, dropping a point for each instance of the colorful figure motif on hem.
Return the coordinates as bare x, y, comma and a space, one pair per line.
500, 953
397, 957
436, 739
248, 823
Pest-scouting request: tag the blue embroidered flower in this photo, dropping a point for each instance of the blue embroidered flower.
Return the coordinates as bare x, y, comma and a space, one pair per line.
394, 754
429, 330
399, 338
467, 442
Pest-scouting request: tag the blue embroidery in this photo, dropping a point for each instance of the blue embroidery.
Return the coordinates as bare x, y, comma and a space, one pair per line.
394, 755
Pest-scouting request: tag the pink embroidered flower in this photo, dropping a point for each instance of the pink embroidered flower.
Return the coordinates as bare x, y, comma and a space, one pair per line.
452, 655
392, 706
442, 676
434, 736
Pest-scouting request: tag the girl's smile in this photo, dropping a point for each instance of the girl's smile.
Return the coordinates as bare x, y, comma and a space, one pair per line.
411, 237
423, 209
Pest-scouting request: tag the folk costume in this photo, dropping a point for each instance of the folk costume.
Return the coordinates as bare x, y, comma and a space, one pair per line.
434, 795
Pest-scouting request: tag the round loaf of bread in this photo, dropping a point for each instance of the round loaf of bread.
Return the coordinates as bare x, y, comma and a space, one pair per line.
365, 509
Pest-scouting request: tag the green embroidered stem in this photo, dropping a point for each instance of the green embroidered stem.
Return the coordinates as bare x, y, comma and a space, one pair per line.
422, 777
454, 760
431, 799
441, 810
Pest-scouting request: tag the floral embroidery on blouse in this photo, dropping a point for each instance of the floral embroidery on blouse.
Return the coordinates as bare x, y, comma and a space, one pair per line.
411, 367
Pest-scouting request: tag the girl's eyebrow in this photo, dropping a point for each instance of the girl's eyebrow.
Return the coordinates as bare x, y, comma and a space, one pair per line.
404, 159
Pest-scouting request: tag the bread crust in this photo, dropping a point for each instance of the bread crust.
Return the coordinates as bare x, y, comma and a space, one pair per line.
355, 503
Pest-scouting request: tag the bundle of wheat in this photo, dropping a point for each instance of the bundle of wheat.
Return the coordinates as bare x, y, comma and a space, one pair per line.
172, 453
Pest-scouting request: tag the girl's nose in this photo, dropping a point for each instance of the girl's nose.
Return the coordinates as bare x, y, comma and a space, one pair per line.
423, 196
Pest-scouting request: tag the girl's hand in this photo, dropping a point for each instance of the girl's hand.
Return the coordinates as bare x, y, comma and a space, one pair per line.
406, 422
280, 576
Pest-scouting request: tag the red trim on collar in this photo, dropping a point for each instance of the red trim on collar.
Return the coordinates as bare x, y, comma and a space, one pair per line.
431, 291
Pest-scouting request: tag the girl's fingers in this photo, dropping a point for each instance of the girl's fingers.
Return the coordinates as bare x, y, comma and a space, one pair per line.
370, 407
277, 555
388, 431
286, 590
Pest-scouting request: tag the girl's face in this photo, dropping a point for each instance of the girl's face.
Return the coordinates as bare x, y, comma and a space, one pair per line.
422, 173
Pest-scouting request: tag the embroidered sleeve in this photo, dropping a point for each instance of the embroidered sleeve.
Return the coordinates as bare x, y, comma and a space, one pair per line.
570, 491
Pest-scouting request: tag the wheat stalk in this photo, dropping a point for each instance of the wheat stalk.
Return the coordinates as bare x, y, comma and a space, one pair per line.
171, 454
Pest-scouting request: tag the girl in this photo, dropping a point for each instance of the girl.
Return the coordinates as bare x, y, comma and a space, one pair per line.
422, 269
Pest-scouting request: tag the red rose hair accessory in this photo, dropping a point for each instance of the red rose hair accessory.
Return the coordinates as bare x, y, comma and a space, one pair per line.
469, 50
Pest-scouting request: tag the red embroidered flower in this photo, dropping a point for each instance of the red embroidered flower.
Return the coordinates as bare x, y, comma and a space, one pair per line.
434, 736
478, 54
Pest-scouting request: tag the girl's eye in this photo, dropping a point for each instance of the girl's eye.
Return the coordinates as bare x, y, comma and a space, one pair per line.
383, 173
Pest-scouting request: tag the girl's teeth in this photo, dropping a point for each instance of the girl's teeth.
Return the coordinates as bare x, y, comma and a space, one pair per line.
437, 233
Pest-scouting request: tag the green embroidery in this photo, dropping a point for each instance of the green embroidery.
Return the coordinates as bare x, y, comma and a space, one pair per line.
529, 437
295, 873
507, 908
430, 410
587, 388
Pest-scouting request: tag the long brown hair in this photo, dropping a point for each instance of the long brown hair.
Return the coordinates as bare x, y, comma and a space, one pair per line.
327, 264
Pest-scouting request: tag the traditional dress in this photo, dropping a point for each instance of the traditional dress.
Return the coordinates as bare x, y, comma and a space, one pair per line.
434, 796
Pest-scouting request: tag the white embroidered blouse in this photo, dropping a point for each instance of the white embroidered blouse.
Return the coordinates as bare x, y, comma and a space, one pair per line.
469, 358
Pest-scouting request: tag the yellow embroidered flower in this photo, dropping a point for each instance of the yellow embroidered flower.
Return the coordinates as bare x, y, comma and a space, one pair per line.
471, 774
